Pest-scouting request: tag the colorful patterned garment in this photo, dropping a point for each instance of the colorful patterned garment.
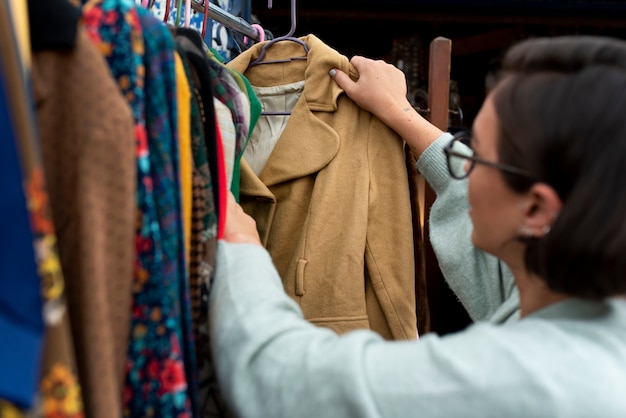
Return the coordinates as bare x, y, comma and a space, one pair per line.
203, 81
194, 46
241, 115
161, 360
161, 115
233, 145
204, 218
202, 262
114, 27
255, 113
214, 404
205, 221
225, 95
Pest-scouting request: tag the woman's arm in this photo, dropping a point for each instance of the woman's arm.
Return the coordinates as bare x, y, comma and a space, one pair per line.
483, 284
381, 89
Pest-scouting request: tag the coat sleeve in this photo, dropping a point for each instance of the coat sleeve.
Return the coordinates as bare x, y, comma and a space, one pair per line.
483, 284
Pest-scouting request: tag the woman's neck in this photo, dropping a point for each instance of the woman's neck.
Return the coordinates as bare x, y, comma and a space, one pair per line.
534, 293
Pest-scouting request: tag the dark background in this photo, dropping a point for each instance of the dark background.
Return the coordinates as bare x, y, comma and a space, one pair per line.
480, 30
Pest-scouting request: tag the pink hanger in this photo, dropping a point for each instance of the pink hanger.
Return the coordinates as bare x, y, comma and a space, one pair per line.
188, 12
287, 37
260, 32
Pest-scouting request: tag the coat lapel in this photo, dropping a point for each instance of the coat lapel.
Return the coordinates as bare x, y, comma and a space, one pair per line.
305, 147
307, 144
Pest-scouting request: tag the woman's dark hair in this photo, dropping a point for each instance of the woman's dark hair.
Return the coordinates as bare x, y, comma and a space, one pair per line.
561, 104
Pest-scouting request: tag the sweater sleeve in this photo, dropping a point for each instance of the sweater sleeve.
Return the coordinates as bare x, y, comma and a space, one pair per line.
263, 346
270, 362
483, 284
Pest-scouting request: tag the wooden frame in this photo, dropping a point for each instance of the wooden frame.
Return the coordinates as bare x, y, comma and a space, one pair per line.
444, 312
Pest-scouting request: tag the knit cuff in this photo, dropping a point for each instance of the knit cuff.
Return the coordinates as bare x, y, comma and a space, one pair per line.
433, 165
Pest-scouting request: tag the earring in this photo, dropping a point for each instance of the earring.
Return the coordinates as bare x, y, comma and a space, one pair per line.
525, 231
546, 230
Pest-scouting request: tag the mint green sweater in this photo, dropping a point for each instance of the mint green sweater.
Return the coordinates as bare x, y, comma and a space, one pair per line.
567, 360
483, 284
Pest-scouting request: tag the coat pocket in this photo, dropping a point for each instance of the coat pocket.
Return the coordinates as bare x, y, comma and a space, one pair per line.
342, 324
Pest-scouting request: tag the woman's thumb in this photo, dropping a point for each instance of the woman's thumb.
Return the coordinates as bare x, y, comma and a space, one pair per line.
342, 79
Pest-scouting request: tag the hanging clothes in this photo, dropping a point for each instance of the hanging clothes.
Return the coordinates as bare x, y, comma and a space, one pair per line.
127, 138
208, 87
185, 158
245, 115
161, 370
202, 248
235, 99
53, 26
58, 392
236, 107
332, 203
21, 321
204, 217
87, 140
115, 29
226, 42
169, 192
209, 198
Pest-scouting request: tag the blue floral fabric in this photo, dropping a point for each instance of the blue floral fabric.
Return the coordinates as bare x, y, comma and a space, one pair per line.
161, 370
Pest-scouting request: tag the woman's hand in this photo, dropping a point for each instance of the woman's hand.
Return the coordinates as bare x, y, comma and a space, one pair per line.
240, 227
381, 88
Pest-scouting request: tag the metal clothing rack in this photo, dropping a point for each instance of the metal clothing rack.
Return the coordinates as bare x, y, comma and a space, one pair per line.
235, 23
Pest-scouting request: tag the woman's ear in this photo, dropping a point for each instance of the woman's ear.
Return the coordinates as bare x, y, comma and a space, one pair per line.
541, 208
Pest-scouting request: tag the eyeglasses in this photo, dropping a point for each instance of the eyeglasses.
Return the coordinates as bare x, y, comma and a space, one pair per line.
461, 158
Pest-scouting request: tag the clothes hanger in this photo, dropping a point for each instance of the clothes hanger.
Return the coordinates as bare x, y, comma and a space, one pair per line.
205, 18
179, 9
287, 37
167, 11
259, 30
187, 13
219, 15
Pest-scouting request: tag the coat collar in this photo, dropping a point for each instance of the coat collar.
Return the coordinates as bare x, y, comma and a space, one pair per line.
308, 143
320, 91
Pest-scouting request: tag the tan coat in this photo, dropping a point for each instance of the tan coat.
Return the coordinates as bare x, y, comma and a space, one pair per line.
332, 203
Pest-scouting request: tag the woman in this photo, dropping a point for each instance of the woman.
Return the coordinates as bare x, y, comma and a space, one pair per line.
545, 190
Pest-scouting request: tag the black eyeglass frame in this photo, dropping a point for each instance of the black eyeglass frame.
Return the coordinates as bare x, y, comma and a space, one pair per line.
473, 159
